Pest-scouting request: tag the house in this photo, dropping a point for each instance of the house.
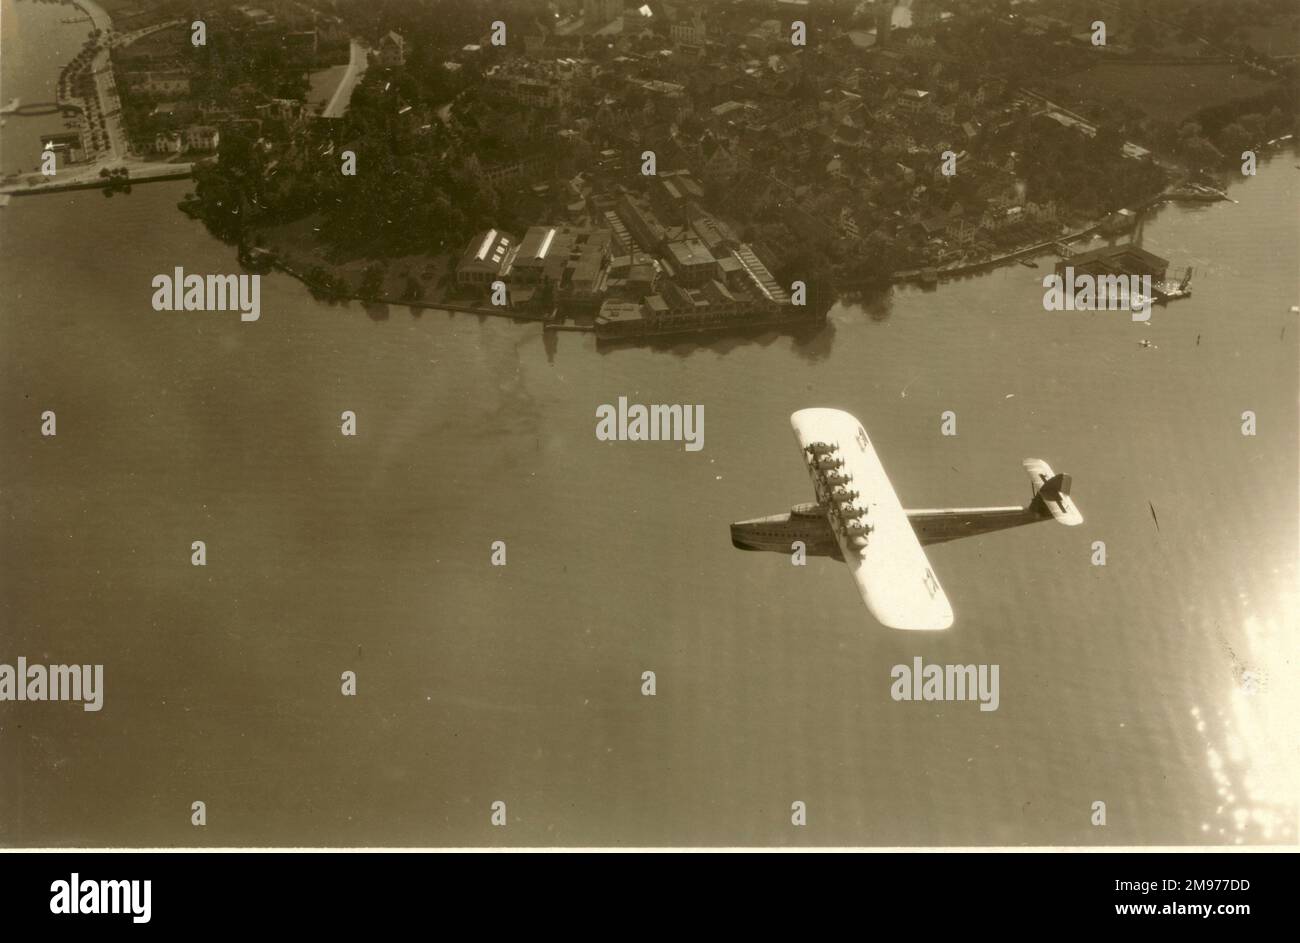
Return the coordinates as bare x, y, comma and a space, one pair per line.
692, 33
913, 101
525, 167
168, 143
202, 137
163, 83
720, 161
392, 50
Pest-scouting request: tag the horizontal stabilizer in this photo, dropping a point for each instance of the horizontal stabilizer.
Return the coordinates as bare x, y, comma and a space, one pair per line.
1052, 492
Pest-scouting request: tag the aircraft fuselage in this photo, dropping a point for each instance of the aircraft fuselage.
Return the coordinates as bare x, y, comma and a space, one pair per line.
808, 523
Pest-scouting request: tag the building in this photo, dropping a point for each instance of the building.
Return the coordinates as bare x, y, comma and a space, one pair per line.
690, 33
1115, 260
391, 53
168, 142
535, 90
621, 318
485, 259
759, 276
642, 223
255, 18
714, 233
586, 273
166, 83
913, 101
527, 167
66, 148
202, 137
600, 12
539, 250
720, 161
691, 262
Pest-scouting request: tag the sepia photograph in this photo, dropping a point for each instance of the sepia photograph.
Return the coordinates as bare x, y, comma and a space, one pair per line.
668, 425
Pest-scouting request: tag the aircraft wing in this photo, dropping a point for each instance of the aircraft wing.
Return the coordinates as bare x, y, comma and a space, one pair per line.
892, 572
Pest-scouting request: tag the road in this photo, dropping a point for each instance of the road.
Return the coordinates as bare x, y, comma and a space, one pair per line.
338, 103
106, 84
106, 103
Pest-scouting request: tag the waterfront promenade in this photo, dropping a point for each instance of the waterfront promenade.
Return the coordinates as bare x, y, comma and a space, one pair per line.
117, 155
88, 178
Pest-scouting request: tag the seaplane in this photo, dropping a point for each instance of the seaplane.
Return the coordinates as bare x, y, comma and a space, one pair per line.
859, 520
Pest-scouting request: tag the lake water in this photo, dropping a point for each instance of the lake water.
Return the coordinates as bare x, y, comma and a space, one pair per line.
37, 45
1127, 684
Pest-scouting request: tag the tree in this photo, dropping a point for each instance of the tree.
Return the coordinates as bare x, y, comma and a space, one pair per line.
1234, 137
372, 281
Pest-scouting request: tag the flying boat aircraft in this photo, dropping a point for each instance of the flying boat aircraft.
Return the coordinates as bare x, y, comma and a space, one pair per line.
868, 528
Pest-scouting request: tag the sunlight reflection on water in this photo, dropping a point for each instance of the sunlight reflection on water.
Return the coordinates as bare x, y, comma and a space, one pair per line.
1250, 743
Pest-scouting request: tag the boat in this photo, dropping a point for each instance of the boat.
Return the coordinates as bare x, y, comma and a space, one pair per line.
1168, 290
1199, 193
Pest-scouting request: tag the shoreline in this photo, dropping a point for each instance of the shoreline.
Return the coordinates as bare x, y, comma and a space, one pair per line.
94, 12
1170, 194
275, 263
548, 323
87, 176
150, 173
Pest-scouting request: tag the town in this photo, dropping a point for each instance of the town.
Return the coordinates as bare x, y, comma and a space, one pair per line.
666, 167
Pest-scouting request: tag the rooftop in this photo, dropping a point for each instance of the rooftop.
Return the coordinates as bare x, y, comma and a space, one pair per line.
615, 311
1135, 255
689, 252
486, 249
536, 242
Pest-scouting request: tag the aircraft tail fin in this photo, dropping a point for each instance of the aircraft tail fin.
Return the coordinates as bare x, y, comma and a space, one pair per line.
1052, 492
